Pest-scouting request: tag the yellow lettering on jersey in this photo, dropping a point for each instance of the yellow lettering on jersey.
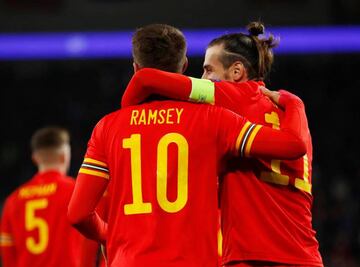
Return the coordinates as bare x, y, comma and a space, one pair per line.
37, 245
220, 240
178, 113
275, 176
152, 117
134, 115
169, 116
306, 168
142, 119
273, 118
38, 190
161, 115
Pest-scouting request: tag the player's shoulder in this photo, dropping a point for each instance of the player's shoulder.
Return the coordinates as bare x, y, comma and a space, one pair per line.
67, 180
13, 196
247, 87
110, 116
106, 120
193, 107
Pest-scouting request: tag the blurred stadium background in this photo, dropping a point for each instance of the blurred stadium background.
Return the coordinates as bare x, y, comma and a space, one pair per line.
67, 62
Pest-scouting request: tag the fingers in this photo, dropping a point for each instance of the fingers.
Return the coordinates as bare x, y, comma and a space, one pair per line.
273, 95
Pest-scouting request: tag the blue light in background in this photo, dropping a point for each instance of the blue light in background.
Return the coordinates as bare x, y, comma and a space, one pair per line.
87, 45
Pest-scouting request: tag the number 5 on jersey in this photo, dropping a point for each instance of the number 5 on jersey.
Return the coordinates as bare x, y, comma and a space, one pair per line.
32, 222
138, 206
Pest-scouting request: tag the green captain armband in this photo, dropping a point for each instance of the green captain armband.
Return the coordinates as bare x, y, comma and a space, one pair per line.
202, 91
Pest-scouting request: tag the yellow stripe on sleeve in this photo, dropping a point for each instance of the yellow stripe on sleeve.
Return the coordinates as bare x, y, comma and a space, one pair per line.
6, 240
251, 140
241, 135
95, 173
202, 91
90, 160
6, 243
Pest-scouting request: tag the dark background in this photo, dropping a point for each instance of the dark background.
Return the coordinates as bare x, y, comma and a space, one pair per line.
77, 93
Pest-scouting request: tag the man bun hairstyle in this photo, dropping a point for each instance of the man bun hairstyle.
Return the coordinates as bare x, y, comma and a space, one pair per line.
255, 28
159, 46
49, 138
252, 49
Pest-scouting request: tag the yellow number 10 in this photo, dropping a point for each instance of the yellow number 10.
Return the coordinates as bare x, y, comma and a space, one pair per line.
138, 206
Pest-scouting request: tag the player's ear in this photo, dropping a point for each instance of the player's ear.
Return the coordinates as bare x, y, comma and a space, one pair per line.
185, 65
136, 67
62, 157
35, 158
238, 72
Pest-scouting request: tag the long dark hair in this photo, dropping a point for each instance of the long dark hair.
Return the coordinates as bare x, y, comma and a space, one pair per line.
253, 51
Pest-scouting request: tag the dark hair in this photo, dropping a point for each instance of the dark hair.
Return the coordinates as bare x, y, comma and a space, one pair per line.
49, 138
254, 52
159, 46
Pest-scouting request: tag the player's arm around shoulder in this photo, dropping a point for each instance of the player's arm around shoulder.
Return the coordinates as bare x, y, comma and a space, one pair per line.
247, 139
295, 120
149, 81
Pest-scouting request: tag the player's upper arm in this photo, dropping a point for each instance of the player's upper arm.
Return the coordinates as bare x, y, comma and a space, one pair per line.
222, 93
234, 133
240, 137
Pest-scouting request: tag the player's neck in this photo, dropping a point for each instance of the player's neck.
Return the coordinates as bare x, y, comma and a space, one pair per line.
52, 167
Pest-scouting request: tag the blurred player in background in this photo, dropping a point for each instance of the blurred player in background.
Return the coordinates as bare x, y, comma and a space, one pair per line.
265, 204
34, 228
160, 161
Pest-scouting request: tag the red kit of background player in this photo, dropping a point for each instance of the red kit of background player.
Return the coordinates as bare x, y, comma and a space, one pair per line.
265, 205
34, 229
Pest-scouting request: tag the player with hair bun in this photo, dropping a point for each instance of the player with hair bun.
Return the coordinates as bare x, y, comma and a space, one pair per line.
160, 161
265, 204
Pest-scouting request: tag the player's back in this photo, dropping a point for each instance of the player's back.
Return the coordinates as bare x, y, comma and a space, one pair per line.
163, 161
275, 195
35, 217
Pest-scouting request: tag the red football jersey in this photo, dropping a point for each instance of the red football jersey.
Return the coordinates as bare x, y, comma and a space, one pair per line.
34, 227
266, 205
163, 159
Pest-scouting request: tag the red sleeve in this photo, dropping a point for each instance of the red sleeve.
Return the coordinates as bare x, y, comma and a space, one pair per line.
240, 137
146, 82
81, 213
7, 243
90, 186
295, 120
91, 249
